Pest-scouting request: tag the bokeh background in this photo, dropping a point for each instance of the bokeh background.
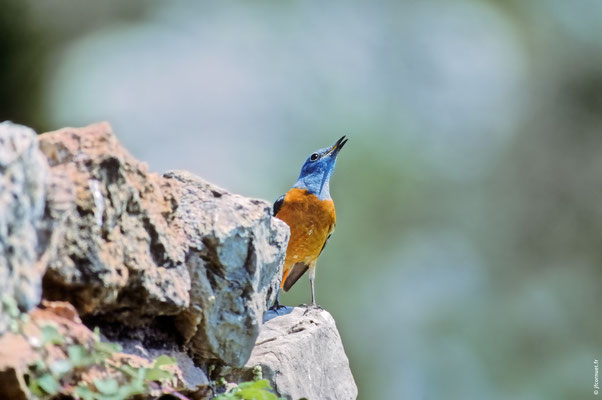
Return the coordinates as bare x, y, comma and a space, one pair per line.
466, 260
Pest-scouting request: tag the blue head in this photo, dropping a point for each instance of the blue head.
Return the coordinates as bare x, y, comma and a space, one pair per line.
317, 170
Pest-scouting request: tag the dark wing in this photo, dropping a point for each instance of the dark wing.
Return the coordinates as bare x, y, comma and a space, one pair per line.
327, 237
299, 269
324, 245
278, 204
294, 274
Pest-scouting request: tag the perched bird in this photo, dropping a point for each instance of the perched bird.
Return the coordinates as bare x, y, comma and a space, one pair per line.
308, 210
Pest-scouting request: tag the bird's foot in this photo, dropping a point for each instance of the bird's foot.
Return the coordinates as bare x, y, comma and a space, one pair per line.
277, 307
311, 307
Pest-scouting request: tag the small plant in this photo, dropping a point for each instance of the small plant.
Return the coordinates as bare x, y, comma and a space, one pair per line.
46, 380
125, 381
257, 389
254, 390
16, 318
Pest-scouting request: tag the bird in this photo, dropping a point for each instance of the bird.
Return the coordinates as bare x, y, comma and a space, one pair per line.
309, 211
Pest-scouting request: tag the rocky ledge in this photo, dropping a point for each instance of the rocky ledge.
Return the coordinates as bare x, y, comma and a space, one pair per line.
167, 264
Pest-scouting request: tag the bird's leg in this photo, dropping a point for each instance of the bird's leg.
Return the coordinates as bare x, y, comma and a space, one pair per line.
312, 276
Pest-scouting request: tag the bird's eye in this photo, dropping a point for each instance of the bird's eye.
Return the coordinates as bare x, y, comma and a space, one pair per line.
314, 157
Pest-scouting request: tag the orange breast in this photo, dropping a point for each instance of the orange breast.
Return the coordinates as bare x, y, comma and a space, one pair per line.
311, 220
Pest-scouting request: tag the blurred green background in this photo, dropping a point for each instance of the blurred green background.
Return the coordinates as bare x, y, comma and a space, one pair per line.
466, 260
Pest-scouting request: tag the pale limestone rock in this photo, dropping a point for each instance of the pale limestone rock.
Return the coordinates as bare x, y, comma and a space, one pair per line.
235, 255
301, 353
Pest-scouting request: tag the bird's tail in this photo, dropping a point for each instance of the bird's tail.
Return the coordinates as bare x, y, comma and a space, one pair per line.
292, 275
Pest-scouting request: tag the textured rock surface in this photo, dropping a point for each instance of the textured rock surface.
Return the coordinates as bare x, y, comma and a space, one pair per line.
162, 264
17, 353
117, 254
301, 353
136, 246
23, 237
234, 255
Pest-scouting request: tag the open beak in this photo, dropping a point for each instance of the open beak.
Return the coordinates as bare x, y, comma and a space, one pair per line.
337, 146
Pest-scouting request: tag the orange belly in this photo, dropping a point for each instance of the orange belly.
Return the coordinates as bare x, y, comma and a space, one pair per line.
311, 220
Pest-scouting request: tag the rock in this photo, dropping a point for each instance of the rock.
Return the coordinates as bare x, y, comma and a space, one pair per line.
117, 254
301, 353
19, 351
166, 264
235, 254
23, 238
190, 378
137, 246
15, 354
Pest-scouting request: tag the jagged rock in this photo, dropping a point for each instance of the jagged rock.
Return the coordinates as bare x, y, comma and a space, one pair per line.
117, 254
235, 253
23, 239
190, 378
301, 353
136, 246
162, 264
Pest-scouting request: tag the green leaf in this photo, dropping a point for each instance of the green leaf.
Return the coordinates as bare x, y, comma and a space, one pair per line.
34, 388
226, 396
60, 367
13, 325
254, 390
51, 335
258, 390
49, 384
157, 374
257, 373
106, 347
79, 355
141, 374
39, 365
260, 384
133, 388
106, 386
84, 392
10, 304
129, 370
164, 360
